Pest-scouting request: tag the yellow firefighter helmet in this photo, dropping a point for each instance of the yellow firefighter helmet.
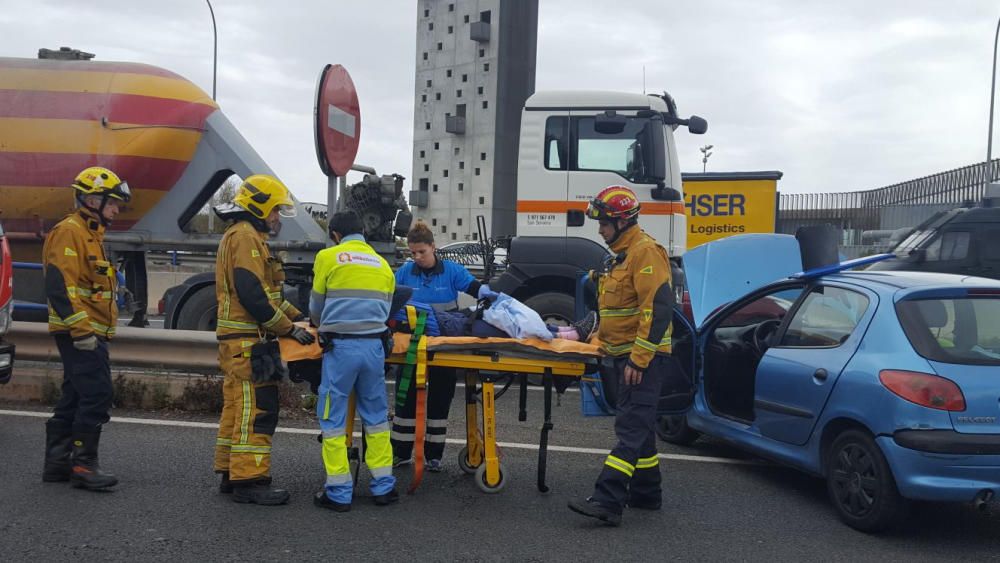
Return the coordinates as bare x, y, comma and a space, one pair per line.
101, 182
260, 194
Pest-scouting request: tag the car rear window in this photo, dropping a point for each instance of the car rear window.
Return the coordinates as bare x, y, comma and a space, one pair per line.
954, 331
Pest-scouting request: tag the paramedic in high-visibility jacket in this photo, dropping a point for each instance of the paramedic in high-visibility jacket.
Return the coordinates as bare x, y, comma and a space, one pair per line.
81, 287
635, 306
251, 310
350, 300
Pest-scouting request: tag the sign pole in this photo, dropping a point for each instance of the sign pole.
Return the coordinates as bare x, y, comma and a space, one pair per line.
331, 196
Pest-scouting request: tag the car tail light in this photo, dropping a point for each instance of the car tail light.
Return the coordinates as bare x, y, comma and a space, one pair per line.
161, 306
924, 389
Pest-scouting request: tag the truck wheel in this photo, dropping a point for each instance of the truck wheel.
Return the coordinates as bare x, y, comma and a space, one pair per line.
199, 311
555, 308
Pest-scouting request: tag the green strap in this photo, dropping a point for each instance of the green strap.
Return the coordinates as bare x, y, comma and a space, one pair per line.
411, 360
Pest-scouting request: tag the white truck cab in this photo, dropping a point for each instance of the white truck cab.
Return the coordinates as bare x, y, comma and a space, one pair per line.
572, 146
576, 143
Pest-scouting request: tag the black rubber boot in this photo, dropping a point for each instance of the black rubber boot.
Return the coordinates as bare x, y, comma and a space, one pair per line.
644, 504
87, 472
225, 486
392, 497
58, 449
321, 500
258, 492
593, 509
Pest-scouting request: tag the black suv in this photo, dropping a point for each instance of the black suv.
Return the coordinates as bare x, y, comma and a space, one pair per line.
961, 241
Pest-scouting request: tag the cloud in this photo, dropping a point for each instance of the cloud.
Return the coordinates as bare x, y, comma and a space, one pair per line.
847, 95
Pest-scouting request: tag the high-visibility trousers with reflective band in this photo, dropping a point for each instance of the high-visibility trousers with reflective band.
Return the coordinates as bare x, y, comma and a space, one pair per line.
358, 365
631, 472
249, 416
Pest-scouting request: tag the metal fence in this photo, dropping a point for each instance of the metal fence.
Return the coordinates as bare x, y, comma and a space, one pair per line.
884, 210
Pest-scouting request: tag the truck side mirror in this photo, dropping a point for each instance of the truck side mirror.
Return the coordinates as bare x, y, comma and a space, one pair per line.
654, 155
917, 255
609, 123
575, 218
697, 125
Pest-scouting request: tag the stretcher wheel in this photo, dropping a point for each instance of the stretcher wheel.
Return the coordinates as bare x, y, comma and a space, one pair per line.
486, 487
463, 462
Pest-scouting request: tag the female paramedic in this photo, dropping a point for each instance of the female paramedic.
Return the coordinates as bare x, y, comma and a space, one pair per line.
436, 282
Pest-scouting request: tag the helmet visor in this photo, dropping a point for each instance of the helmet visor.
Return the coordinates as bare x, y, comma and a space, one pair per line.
597, 210
122, 192
287, 211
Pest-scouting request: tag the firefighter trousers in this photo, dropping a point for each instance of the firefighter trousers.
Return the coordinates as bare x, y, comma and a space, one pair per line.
87, 392
631, 472
358, 365
249, 416
440, 392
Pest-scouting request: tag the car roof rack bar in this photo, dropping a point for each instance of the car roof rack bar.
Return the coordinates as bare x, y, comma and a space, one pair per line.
845, 265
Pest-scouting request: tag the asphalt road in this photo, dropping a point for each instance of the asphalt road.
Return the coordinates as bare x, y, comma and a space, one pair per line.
719, 505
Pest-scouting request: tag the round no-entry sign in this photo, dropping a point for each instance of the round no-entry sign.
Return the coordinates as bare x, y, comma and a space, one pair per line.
338, 121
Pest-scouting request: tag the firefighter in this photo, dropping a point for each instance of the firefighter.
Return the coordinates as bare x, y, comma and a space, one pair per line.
436, 282
251, 310
81, 289
352, 292
635, 303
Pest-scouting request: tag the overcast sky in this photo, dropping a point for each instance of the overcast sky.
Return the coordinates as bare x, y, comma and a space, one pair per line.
839, 95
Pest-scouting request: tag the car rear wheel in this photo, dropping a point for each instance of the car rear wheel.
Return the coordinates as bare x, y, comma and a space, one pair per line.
860, 483
675, 430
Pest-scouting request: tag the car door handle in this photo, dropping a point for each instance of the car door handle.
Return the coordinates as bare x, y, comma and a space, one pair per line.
821, 374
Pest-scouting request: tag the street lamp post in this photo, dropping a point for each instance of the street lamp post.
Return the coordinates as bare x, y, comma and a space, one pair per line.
215, 59
215, 46
705, 153
993, 87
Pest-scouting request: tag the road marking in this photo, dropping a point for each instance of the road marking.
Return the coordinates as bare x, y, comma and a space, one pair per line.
513, 386
309, 431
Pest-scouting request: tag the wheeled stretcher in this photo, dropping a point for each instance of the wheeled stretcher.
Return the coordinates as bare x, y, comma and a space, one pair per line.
483, 361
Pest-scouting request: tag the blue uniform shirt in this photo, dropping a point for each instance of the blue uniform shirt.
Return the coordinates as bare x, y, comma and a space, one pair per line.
438, 286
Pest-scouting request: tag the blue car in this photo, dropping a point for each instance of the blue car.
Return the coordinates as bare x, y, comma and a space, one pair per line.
885, 383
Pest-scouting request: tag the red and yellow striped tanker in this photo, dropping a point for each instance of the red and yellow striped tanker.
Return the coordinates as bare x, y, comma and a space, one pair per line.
59, 117
161, 133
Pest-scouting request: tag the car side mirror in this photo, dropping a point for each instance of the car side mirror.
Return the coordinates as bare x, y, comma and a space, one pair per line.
917, 255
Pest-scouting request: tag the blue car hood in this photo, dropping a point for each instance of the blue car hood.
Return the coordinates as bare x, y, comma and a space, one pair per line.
725, 270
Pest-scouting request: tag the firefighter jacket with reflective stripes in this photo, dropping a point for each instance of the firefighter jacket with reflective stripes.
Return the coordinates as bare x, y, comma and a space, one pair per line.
80, 282
352, 288
635, 299
248, 284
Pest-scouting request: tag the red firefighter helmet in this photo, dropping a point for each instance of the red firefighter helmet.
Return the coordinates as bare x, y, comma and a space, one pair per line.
614, 202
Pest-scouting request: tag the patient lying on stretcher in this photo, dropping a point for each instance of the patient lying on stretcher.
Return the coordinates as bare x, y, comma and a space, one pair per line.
518, 319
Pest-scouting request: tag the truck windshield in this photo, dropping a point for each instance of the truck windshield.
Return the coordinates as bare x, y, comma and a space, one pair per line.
954, 331
620, 153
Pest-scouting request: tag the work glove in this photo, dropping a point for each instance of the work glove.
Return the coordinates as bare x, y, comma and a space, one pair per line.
486, 293
302, 336
88, 344
325, 342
